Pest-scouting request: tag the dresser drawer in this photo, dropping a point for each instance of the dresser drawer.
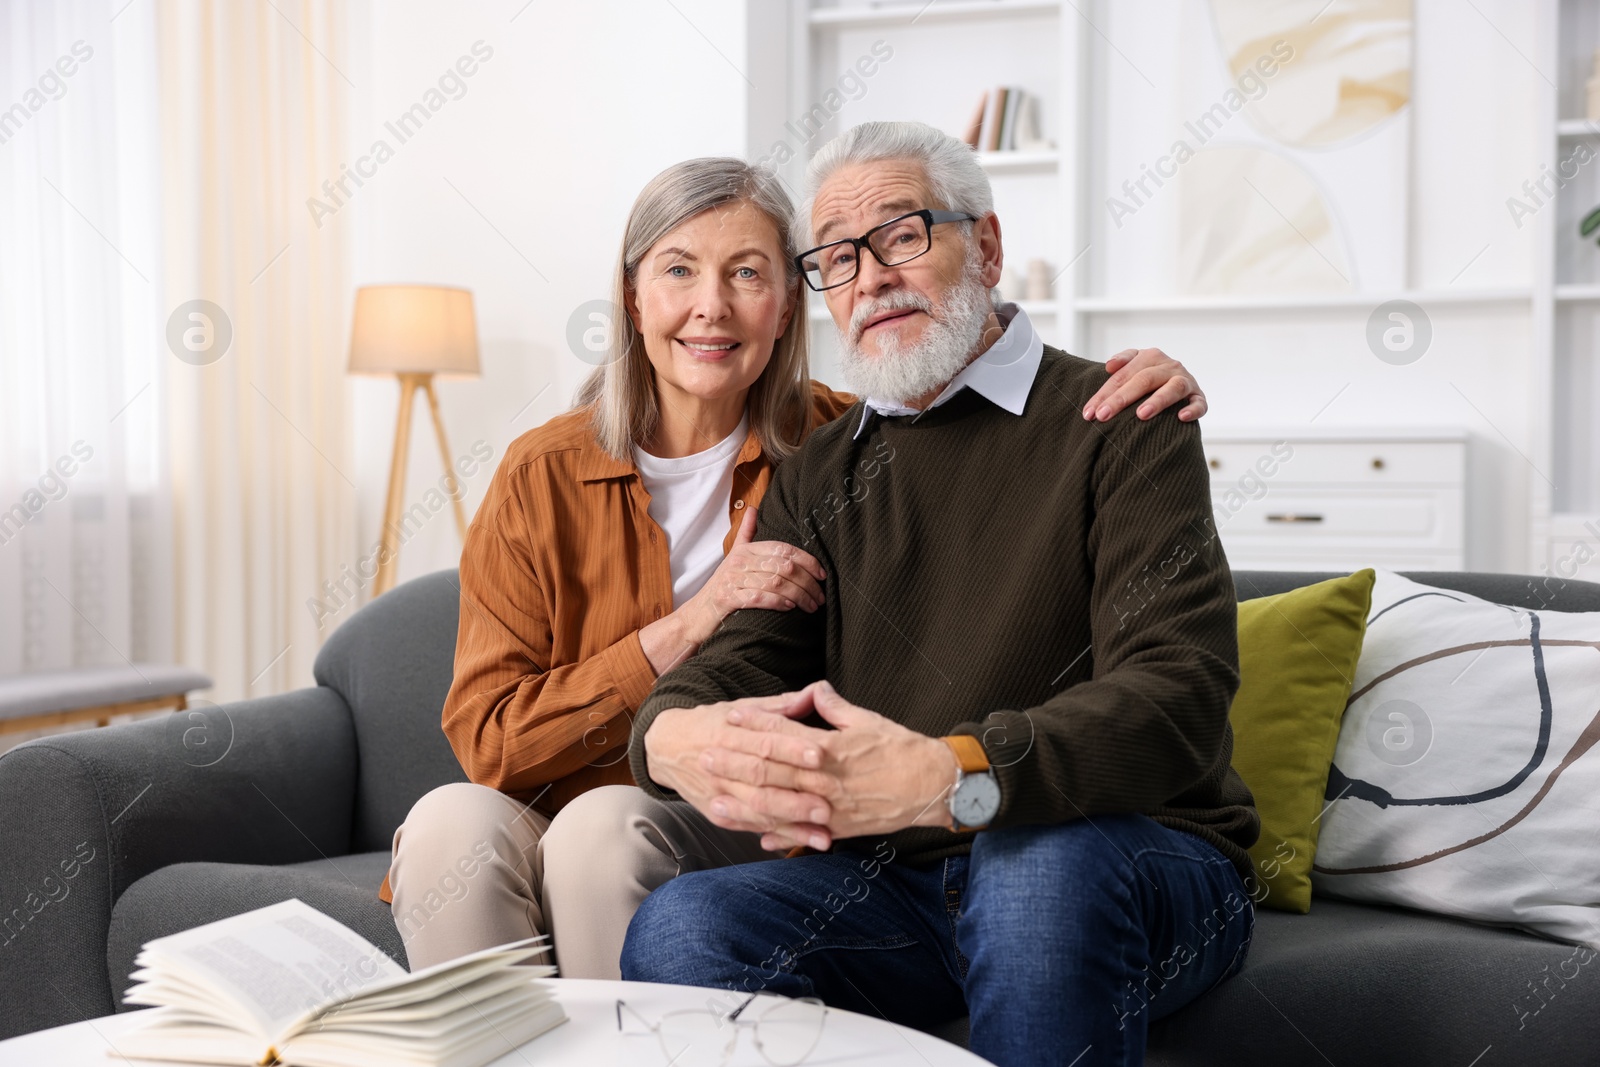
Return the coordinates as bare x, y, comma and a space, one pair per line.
1338, 520
1579, 559
1374, 463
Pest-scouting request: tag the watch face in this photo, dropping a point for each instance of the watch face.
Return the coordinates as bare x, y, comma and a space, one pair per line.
976, 800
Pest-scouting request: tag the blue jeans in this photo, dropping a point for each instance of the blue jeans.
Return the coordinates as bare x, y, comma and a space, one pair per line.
1062, 942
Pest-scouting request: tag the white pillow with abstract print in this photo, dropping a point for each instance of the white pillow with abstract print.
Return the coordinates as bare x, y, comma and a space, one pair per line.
1466, 775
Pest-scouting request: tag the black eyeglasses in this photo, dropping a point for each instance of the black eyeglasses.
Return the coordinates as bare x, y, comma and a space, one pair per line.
897, 241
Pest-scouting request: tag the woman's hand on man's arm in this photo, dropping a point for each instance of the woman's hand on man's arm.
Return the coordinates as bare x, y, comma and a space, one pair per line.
1151, 376
755, 574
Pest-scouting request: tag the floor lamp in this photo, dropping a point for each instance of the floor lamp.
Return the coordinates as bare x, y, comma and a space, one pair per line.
412, 332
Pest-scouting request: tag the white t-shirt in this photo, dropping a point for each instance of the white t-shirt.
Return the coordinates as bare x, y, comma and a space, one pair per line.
689, 500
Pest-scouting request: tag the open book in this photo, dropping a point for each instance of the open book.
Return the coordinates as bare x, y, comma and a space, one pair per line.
286, 984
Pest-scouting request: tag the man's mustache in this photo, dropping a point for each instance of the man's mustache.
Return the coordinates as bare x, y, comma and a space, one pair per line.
898, 300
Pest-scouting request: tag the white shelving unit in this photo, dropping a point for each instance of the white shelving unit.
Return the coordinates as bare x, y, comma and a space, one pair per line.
1308, 302
1048, 201
1013, 162
902, 14
1577, 292
1566, 309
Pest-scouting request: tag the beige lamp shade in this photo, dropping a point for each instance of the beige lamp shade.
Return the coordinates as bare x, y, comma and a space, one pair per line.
402, 329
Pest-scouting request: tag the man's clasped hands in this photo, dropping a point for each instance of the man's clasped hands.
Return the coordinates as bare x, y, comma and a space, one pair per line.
751, 765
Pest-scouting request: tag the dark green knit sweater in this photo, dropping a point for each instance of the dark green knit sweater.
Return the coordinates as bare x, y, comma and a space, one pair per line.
1053, 587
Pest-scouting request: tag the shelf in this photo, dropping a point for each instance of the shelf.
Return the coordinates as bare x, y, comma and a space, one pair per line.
904, 14
1009, 162
817, 310
1298, 302
1578, 128
1219, 433
1573, 293
1576, 526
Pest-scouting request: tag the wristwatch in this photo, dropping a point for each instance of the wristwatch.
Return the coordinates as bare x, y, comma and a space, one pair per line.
975, 800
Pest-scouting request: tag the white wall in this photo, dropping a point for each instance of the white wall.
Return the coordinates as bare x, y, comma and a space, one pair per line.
582, 103
579, 105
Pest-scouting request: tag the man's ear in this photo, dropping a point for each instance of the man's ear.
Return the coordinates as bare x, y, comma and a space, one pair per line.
987, 231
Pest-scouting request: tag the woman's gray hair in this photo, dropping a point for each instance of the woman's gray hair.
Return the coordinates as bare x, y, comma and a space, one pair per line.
954, 177
621, 394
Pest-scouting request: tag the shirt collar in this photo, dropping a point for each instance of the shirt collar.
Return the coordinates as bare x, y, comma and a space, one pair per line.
596, 464
1004, 373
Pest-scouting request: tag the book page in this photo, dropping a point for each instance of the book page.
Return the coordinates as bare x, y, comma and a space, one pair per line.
452, 974
277, 965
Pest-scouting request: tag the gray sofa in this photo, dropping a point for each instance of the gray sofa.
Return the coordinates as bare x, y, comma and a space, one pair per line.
114, 836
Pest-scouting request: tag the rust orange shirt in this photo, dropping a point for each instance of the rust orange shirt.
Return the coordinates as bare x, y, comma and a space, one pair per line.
562, 566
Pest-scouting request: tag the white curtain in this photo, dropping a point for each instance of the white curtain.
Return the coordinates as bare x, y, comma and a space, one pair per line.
174, 443
253, 104
85, 562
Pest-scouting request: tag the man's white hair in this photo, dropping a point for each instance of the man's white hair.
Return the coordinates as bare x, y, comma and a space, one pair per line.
954, 177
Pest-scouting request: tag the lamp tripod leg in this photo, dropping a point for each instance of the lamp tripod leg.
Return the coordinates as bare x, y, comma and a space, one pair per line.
457, 489
389, 548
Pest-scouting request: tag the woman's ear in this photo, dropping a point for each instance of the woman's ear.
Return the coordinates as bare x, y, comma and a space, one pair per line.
796, 300
630, 300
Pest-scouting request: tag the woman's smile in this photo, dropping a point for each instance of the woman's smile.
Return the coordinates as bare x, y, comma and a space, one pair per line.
709, 349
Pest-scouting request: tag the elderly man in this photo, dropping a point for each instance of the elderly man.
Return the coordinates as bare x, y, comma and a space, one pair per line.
1004, 739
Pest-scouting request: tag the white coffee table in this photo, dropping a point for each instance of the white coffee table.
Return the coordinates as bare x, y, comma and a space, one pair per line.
589, 1037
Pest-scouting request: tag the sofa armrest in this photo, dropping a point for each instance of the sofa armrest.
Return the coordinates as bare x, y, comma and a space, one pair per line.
267, 781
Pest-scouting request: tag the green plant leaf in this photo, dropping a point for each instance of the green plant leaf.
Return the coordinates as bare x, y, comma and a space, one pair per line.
1590, 223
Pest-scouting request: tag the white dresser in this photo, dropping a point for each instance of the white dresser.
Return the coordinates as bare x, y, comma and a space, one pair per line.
1339, 499
1574, 548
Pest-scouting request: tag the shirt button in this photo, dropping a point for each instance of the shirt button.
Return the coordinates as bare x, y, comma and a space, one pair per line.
737, 504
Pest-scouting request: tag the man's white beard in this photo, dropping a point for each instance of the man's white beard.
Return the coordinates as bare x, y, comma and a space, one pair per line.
900, 374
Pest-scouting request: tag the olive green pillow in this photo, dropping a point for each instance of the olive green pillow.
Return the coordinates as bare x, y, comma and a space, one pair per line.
1297, 658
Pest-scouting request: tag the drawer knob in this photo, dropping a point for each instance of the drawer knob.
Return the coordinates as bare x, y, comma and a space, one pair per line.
1377, 463
1292, 517
1215, 463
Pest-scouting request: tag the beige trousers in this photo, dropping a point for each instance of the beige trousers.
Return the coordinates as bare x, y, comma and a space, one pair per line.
474, 868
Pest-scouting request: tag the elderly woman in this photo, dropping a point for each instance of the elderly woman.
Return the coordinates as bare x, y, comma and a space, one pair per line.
612, 542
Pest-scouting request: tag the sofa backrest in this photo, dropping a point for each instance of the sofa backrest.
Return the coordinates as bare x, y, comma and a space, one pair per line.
392, 661
1535, 592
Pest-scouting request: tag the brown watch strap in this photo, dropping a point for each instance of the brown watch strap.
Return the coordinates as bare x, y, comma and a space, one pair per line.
970, 756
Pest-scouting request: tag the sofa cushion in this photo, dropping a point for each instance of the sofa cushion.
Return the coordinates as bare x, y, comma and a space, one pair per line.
1467, 766
185, 895
1297, 658
1358, 984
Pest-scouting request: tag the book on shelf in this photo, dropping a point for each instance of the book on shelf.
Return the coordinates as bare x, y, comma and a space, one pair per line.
994, 120
974, 131
1008, 123
287, 985
1005, 120
1028, 138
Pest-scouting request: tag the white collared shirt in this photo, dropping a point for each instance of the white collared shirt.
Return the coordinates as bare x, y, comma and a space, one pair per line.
1004, 373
